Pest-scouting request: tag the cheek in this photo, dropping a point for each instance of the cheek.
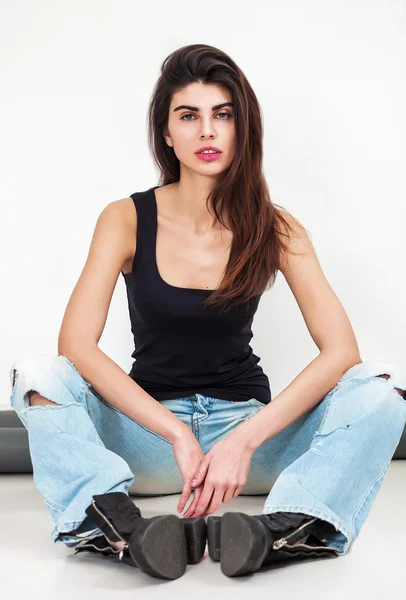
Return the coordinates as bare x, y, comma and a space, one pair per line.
231, 145
184, 140
184, 147
231, 138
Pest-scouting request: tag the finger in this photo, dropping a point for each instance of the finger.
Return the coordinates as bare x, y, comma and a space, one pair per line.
195, 498
205, 498
237, 491
229, 495
187, 489
197, 492
216, 500
201, 472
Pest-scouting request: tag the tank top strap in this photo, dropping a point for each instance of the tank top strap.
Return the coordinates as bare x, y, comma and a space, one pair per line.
145, 204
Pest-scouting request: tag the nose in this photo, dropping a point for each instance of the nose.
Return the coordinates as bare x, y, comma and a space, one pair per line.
207, 128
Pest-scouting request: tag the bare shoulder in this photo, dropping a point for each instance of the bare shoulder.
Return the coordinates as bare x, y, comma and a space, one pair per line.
298, 242
125, 209
123, 212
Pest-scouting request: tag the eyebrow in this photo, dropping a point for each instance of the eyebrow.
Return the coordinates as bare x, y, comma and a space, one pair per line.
196, 109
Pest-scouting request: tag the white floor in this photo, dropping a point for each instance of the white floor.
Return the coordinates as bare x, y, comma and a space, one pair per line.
32, 566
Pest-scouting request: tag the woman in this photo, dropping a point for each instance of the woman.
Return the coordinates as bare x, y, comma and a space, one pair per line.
195, 412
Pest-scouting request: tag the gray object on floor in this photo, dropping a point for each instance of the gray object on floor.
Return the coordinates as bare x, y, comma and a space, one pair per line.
15, 454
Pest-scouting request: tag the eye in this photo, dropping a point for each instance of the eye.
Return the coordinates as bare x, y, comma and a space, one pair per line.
192, 115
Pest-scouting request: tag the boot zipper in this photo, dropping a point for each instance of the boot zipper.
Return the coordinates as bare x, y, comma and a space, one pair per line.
90, 545
121, 552
108, 522
283, 541
307, 546
120, 556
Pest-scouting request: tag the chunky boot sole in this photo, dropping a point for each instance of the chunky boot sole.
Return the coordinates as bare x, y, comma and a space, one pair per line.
157, 546
213, 537
185, 537
195, 529
244, 544
161, 546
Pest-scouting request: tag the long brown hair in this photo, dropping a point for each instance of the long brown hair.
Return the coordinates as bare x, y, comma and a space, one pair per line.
241, 193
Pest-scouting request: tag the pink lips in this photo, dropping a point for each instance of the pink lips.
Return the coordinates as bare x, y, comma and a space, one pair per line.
209, 157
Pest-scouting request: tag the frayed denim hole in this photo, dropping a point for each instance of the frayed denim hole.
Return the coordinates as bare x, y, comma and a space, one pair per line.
382, 381
49, 406
392, 387
321, 434
13, 387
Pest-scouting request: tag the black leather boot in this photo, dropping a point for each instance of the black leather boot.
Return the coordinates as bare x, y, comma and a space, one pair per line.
244, 543
160, 546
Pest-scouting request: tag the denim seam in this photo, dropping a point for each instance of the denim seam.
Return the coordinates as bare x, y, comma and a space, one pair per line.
54, 507
327, 409
195, 426
68, 523
250, 414
369, 491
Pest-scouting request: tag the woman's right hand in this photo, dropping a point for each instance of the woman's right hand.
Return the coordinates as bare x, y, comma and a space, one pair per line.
188, 454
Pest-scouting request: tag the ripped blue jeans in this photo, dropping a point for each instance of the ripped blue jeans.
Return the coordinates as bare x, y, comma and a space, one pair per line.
330, 463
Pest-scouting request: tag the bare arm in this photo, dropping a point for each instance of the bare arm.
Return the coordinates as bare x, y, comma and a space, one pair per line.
330, 330
112, 245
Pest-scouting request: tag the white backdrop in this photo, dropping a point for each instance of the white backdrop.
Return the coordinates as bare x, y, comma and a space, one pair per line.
76, 79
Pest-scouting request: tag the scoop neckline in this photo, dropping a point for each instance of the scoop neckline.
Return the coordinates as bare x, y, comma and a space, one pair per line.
175, 287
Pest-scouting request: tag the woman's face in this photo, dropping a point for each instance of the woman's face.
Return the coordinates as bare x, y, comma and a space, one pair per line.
188, 130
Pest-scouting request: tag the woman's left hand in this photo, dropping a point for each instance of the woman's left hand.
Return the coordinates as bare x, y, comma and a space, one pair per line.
225, 469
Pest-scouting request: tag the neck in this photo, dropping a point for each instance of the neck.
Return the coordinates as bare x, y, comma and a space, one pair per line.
189, 202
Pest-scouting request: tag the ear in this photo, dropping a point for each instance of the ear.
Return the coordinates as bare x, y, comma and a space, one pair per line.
167, 137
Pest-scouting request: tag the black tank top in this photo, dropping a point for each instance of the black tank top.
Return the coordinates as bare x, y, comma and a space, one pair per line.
182, 349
